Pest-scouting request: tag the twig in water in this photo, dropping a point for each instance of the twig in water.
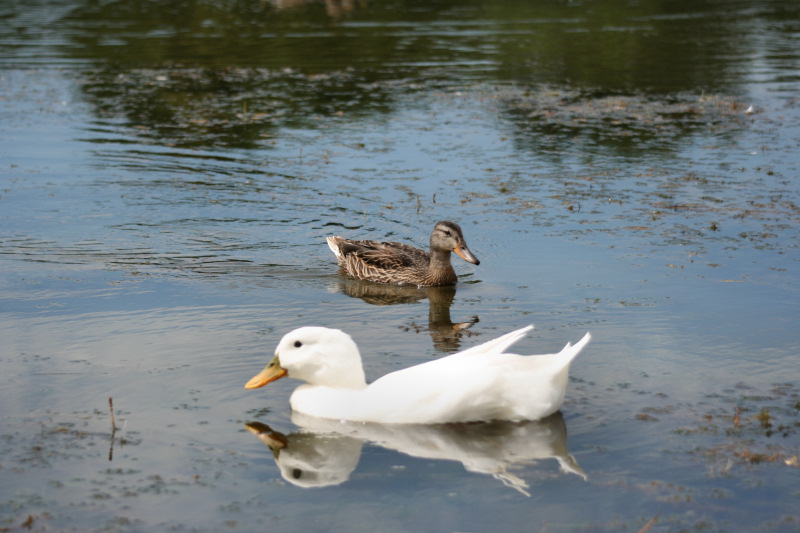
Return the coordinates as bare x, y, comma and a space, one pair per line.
113, 429
648, 525
111, 407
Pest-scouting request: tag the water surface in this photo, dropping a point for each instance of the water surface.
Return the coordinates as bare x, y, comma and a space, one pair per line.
169, 172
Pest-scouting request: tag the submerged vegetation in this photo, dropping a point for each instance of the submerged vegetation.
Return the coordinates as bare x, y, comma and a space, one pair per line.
739, 426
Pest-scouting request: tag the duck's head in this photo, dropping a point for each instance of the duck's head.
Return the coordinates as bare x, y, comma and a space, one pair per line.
319, 356
447, 236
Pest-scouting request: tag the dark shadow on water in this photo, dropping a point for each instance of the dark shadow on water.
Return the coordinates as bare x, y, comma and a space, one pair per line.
325, 452
445, 333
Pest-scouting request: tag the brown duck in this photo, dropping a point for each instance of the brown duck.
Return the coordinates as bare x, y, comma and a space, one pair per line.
394, 262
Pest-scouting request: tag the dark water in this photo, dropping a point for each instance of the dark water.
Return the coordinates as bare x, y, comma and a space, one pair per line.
169, 171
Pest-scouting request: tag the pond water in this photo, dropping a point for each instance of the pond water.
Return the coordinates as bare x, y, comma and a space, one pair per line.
170, 170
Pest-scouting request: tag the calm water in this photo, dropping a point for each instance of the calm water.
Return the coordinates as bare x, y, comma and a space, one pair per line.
168, 174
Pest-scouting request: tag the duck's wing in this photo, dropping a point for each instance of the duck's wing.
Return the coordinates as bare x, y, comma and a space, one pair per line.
482, 383
436, 392
456, 367
372, 249
458, 388
382, 255
376, 260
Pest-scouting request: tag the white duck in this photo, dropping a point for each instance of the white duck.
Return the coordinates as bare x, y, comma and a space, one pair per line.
479, 384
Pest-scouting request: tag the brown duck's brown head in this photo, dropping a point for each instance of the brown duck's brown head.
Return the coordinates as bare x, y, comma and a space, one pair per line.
448, 236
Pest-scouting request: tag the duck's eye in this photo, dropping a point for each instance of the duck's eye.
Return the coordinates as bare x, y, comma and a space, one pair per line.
297, 344
297, 473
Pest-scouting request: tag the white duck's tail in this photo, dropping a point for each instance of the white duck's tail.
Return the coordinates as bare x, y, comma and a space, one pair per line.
569, 352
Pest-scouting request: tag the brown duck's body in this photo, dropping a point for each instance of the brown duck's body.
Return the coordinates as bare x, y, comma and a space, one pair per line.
394, 262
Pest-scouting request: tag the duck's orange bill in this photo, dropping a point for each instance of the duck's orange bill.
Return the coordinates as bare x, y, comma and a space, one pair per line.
464, 253
271, 372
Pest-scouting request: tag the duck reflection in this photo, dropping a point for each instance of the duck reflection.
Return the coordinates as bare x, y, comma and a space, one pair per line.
445, 333
324, 452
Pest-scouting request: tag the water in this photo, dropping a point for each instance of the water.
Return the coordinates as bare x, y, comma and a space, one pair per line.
169, 173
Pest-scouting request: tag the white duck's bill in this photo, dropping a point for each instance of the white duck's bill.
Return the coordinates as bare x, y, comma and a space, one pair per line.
271, 372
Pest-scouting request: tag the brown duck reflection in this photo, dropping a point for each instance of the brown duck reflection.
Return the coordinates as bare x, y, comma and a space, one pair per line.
445, 333
325, 452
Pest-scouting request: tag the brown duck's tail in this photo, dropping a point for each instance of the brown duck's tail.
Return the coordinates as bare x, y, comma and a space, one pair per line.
333, 244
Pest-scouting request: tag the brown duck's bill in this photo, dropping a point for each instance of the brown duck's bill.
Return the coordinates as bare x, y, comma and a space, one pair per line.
464, 253
271, 372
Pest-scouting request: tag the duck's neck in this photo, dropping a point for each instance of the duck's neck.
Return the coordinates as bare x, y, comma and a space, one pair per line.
439, 269
440, 258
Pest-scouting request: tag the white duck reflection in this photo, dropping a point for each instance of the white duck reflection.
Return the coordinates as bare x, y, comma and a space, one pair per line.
325, 452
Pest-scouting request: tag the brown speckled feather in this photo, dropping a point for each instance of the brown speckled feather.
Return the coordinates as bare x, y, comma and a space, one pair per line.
385, 263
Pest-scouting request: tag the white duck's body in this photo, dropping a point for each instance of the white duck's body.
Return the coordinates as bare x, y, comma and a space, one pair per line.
479, 384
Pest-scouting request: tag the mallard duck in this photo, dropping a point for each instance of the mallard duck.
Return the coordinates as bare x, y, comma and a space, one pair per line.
394, 262
479, 384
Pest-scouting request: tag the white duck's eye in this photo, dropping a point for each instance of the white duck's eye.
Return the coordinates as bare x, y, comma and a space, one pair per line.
297, 344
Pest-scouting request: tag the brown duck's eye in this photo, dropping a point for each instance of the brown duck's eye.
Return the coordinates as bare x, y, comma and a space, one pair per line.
297, 344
